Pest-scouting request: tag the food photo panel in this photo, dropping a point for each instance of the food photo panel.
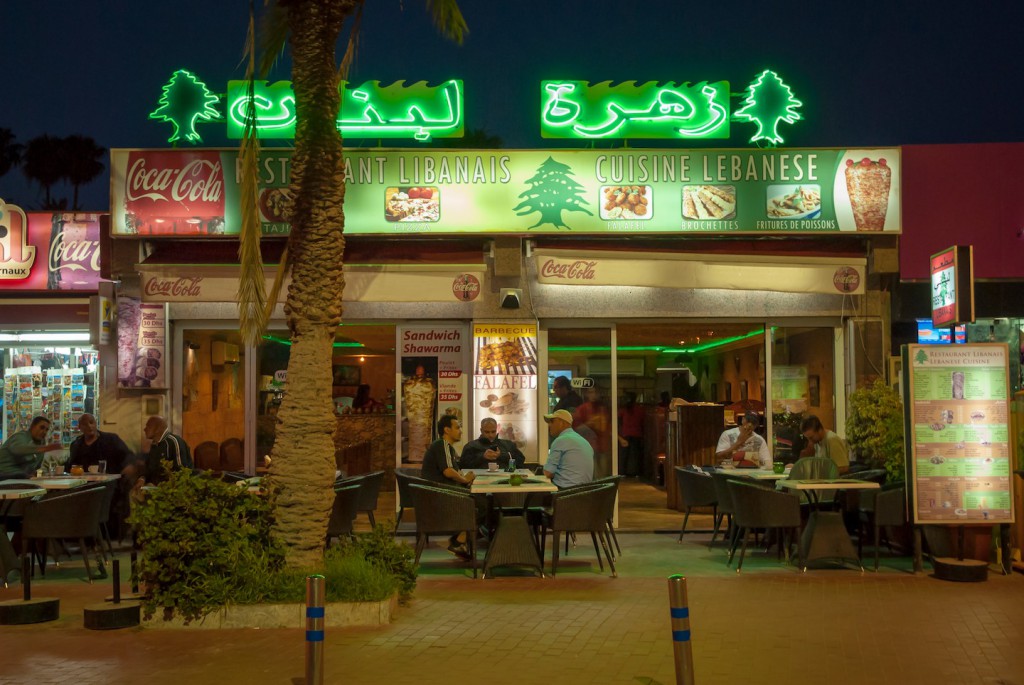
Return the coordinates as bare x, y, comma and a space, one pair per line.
412, 204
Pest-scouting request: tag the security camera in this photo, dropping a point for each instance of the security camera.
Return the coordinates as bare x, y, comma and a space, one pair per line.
510, 297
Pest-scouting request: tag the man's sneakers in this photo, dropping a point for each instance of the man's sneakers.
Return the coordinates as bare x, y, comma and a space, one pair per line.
460, 550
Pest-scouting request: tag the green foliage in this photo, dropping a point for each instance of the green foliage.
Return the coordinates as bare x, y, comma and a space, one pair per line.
380, 548
348, 578
874, 428
202, 542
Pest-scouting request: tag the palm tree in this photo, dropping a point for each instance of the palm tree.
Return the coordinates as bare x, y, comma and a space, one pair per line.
10, 151
44, 163
83, 162
303, 463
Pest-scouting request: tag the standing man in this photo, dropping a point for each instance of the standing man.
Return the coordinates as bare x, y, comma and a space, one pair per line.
23, 452
570, 457
568, 398
94, 446
489, 449
164, 446
631, 430
826, 443
742, 444
441, 465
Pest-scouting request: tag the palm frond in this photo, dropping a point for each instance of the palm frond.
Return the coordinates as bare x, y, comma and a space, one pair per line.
275, 289
273, 36
448, 19
353, 44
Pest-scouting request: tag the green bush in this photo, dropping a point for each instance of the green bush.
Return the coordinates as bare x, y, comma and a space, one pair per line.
380, 548
348, 578
874, 428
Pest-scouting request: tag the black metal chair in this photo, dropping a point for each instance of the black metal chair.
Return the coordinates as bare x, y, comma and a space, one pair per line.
615, 480
582, 510
75, 515
695, 490
887, 509
441, 510
346, 499
757, 507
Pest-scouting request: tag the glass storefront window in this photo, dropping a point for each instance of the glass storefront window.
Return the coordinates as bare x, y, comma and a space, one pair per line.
802, 384
213, 398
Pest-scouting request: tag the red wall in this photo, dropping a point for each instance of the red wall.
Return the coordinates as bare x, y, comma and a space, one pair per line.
966, 195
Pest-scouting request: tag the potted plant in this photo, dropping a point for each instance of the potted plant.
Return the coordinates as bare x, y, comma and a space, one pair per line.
874, 429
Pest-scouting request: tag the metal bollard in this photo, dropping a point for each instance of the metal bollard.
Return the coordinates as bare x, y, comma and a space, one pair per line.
135, 577
116, 573
315, 630
679, 610
26, 575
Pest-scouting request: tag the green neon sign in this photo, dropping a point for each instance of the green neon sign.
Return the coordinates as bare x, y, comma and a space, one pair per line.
576, 109
768, 103
185, 102
369, 110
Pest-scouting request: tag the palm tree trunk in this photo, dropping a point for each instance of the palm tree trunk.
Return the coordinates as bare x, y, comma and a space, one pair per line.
303, 456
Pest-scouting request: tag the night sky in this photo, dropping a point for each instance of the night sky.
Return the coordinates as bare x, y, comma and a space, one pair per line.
869, 73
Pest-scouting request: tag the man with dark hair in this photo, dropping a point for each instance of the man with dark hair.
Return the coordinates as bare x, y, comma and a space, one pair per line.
568, 398
441, 465
94, 446
23, 452
826, 443
742, 445
490, 449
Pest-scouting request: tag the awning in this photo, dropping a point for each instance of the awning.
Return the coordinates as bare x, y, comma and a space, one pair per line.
803, 274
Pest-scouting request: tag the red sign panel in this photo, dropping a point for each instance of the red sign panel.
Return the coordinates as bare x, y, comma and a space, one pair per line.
45, 251
952, 287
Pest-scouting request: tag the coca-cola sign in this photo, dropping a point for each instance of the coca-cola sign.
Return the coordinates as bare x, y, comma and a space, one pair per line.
183, 288
70, 243
466, 287
578, 270
173, 192
846, 279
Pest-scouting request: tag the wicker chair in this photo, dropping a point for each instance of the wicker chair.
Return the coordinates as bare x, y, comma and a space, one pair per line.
757, 507
615, 480
815, 468
404, 478
75, 515
582, 510
723, 495
207, 456
369, 493
346, 499
444, 511
695, 490
886, 509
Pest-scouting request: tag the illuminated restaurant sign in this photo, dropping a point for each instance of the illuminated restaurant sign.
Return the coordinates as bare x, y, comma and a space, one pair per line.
505, 381
436, 192
370, 110
960, 455
952, 281
46, 251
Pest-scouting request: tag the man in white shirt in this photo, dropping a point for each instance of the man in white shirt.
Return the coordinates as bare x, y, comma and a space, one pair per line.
742, 445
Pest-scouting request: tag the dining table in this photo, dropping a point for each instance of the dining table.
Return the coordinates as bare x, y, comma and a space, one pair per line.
825, 537
10, 492
512, 543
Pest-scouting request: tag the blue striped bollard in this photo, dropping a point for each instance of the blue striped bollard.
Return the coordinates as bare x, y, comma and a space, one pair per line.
679, 610
315, 630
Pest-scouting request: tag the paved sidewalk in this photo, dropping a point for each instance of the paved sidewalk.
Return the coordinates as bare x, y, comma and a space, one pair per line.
770, 624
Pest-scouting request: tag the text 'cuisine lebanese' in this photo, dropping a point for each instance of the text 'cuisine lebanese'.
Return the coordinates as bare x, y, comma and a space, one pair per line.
726, 168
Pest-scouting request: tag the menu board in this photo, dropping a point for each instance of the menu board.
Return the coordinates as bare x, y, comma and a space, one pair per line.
141, 344
505, 381
789, 389
433, 361
959, 418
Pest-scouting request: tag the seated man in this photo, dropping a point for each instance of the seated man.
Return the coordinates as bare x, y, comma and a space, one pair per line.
23, 452
163, 446
743, 445
826, 443
490, 449
441, 465
570, 457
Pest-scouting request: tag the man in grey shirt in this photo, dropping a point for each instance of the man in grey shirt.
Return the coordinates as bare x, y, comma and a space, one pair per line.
570, 457
23, 452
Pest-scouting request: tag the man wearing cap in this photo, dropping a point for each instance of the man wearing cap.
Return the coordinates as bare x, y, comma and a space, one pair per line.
742, 445
570, 457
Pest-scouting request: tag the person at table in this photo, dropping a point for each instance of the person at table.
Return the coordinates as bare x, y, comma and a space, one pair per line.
743, 445
826, 443
362, 402
164, 446
94, 446
568, 398
490, 449
570, 456
23, 452
441, 465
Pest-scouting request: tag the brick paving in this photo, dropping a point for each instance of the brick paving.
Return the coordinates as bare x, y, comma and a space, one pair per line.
770, 624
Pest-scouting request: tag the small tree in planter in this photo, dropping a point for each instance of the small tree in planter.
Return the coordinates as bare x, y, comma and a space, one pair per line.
874, 428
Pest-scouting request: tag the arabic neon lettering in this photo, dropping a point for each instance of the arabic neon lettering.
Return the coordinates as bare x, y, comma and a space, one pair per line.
415, 110
576, 109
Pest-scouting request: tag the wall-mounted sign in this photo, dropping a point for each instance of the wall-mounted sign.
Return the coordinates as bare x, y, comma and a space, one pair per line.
952, 279
790, 389
396, 192
185, 102
959, 433
141, 344
505, 381
433, 363
44, 251
370, 110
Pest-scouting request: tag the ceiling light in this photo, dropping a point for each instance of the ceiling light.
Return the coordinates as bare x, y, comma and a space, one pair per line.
44, 337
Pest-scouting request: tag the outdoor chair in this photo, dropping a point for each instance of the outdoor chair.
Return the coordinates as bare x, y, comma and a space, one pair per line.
723, 495
207, 456
404, 478
695, 490
886, 510
346, 499
583, 510
815, 468
444, 511
232, 455
755, 507
615, 480
75, 515
369, 492
102, 531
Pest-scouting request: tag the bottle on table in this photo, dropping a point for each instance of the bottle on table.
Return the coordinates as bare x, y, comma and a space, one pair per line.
511, 464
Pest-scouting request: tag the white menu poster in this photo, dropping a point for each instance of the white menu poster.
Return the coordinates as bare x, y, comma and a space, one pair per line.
505, 381
141, 344
960, 442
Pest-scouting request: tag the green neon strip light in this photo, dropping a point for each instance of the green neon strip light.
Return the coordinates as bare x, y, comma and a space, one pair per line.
769, 102
414, 111
665, 350
286, 341
576, 109
185, 102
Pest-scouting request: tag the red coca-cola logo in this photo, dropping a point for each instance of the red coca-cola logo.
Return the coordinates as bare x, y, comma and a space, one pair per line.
199, 180
174, 287
579, 270
846, 279
466, 287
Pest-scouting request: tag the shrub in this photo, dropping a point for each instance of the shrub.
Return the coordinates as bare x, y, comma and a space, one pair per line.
380, 548
874, 428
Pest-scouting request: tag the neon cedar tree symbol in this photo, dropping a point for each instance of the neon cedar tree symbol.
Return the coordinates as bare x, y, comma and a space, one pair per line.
921, 357
769, 102
185, 102
552, 191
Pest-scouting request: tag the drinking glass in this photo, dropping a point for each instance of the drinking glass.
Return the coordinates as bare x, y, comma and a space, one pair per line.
103, 465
